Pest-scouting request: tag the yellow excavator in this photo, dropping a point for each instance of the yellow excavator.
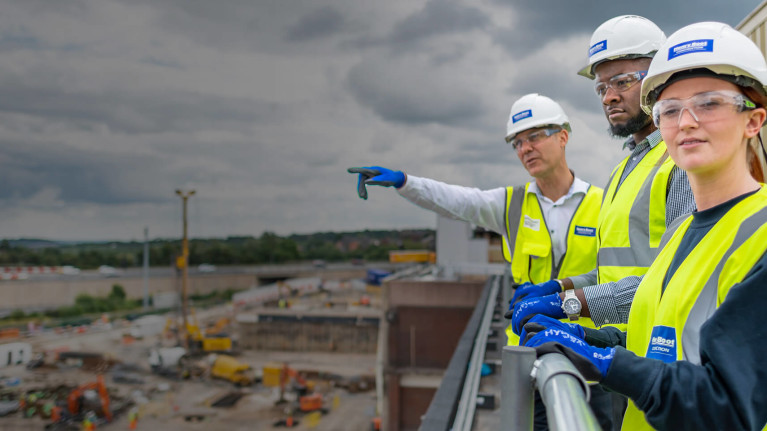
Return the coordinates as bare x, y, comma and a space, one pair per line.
208, 341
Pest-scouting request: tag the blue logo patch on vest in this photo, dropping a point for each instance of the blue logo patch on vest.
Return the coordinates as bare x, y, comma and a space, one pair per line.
662, 344
585, 231
691, 46
597, 47
521, 116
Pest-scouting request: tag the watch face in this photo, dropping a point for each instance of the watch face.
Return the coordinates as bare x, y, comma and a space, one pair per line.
571, 306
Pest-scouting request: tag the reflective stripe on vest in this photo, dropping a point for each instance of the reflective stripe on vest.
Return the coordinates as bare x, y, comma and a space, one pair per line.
666, 325
633, 218
532, 259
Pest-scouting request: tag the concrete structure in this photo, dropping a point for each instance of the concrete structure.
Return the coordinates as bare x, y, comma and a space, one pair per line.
456, 245
352, 331
424, 320
15, 354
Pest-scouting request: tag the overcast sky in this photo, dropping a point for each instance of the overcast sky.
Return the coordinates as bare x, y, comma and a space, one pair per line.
108, 106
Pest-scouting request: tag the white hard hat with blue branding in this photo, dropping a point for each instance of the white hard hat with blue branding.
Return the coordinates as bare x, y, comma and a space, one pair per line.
711, 46
533, 110
625, 36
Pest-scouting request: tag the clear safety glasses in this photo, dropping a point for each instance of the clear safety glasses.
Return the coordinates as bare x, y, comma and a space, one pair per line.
532, 138
620, 83
703, 107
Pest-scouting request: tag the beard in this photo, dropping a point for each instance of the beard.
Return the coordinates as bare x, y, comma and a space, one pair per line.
633, 125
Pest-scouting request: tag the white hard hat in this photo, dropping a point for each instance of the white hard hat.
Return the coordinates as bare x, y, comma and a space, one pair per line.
533, 110
707, 46
625, 36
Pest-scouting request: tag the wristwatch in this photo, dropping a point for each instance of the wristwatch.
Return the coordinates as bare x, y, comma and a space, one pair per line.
571, 305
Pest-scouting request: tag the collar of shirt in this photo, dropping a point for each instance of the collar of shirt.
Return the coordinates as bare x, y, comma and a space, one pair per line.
653, 139
578, 186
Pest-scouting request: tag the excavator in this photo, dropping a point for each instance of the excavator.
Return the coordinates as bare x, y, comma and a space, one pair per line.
210, 340
307, 402
74, 403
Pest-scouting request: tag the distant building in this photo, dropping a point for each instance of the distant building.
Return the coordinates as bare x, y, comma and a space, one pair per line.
753, 26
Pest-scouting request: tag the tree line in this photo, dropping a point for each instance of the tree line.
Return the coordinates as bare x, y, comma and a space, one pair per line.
268, 248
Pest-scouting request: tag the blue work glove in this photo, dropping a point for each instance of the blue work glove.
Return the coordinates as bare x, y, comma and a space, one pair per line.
376, 176
540, 323
549, 305
510, 311
592, 362
526, 291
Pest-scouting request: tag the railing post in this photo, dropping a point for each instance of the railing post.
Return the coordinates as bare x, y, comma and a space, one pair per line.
565, 393
517, 389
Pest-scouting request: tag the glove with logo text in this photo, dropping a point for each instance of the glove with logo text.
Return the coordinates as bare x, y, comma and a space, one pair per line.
535, 290
510, 311
540, 323
376, 176
549, 305
592, 362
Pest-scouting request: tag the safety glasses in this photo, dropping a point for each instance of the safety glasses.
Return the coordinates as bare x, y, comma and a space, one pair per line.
620, 83
532, 138
704, 107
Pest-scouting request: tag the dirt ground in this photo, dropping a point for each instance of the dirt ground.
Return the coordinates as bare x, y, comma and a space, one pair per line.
168, 404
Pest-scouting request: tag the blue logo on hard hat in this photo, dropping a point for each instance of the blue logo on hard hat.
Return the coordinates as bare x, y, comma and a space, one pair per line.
597, 47
691, 46
521, 116
585, 231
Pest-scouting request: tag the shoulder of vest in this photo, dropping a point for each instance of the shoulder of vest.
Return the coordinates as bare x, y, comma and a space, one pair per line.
594, 190
512, 189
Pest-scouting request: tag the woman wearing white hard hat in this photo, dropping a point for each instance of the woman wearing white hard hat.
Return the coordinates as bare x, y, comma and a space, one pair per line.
695, 347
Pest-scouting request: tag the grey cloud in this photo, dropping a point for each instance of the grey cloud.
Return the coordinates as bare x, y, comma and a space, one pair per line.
412, 98
436, 18
317, 24
536, 22
134, 112
571, 88
81, 176
264, 25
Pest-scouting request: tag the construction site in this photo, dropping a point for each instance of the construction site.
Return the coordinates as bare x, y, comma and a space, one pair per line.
298, 353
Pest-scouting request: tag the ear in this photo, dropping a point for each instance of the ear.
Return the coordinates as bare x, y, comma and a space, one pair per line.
564, 137
756, 119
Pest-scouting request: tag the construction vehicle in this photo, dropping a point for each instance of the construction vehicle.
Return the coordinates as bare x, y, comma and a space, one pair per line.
308, 400
228, 368
175, 363
76, 399
212, 340
202, 341
218, 327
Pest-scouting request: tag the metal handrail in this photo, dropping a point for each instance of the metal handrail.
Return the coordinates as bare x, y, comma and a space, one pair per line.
464, 417
442, 410
563, 389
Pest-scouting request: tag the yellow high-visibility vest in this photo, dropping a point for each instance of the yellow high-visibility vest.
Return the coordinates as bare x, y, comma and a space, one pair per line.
665, 324
532, 259
633, 218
